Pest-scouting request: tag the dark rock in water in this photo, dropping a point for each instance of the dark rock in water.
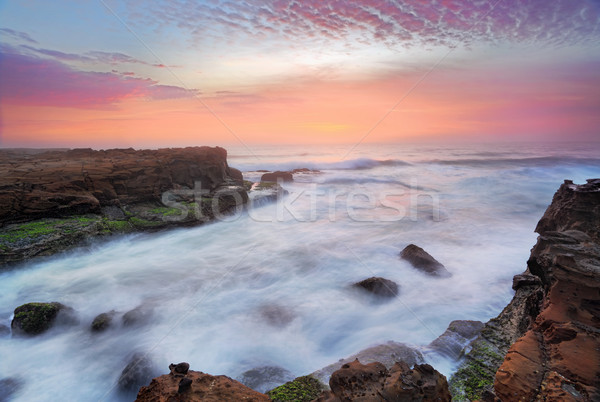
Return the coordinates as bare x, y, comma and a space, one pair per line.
301, 389
4, 330
138, 316
36, 318
138, 372
379, 286
236, 175
179, 369
388, 354
305, 170
524, 279
103, 321
278, 175
195, 387
422, 260
264, 378
458, 335
373, 382
8, 387
277, 316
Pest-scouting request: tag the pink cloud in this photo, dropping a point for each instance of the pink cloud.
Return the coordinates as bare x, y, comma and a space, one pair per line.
34, 81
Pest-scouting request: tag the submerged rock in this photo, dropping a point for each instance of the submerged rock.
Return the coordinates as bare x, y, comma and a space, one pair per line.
138, 372
264, 378
276, 176
388, 354
4, 330
422, 260
36, 318
373, 382
8, 387
103, 321
454, 340
195, 386
140, 315
277, 316
378, 286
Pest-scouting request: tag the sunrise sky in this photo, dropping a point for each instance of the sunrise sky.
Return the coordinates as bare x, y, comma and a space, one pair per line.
112, 73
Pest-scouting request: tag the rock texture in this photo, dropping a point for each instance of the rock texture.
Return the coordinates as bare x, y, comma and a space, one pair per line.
453, 341
378, 286
52, 200
545, 345
191, 386
422, 260
277, 176
37, 318
373, 382
388, 354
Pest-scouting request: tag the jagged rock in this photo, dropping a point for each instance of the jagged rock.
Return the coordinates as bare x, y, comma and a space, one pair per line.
373, 382
36, 318
545, 345
458, 335
138, 372
264, 378
378, 286
179, 369
276, 176
422, 260
196, 386
140, 315
103, 321
388, 354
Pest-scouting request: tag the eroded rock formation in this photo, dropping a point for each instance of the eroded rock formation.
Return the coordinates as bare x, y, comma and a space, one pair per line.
545, 345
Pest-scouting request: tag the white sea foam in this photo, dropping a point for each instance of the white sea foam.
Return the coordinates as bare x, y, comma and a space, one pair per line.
209, 285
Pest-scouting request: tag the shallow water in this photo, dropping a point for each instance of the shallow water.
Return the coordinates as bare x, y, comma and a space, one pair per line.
270, 285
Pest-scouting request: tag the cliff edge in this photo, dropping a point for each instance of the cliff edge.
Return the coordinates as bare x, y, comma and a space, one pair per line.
545, 345
52, 200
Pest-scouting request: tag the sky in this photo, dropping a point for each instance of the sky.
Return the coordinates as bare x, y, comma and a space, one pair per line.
135, 73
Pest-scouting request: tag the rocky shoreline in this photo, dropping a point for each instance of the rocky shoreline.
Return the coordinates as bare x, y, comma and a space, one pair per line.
54, 200
545, 345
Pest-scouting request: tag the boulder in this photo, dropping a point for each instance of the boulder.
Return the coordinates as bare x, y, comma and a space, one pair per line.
139, 316
277, 176
373, 382
422, 260
37, 318
388, 354
378, 286
264, 378
139, 371
195, 386
454, 340
103, 321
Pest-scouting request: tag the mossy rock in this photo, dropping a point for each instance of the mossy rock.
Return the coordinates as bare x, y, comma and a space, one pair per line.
301, 389
102, 321
36, 318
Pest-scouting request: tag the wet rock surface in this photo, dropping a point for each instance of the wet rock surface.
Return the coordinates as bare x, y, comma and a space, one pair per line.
545, 345
138, 372
36, 318
103, 321
193, 386
277, 176
423, 261
378, 286
51, 201
373, 382
388, 354
264, 378
454, 340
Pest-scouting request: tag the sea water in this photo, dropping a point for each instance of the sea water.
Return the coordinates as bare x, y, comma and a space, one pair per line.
271, 284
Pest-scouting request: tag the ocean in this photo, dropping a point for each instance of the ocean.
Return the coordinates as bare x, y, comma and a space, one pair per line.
271, 284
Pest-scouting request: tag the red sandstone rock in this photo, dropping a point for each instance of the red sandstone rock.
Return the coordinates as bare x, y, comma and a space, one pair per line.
558, 358
193, 386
